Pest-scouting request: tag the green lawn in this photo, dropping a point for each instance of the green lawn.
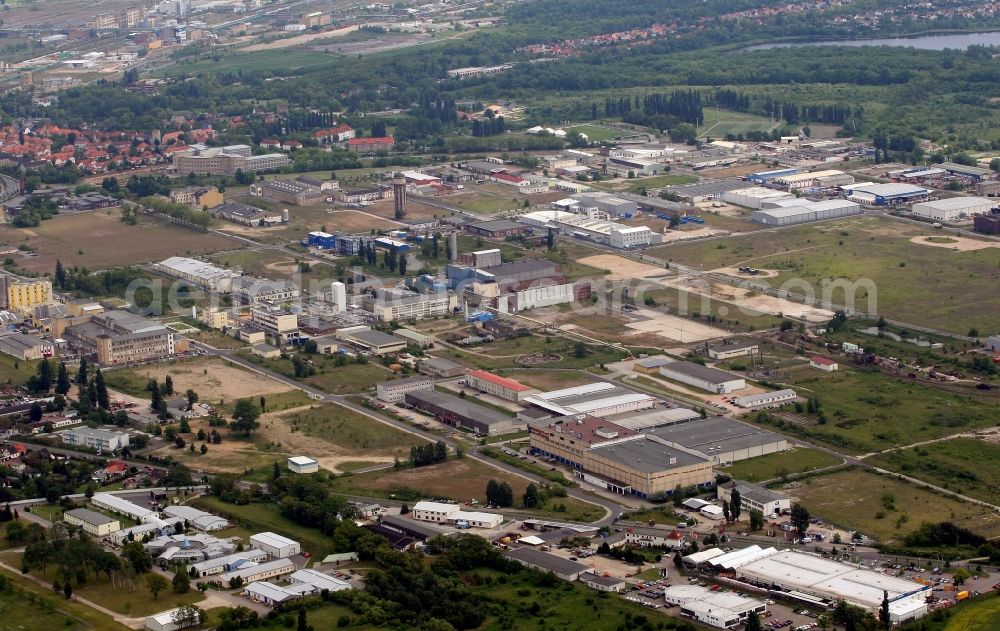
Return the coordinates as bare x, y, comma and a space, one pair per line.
329, 377
32, 607
980, 614
595, 133
921, 284
719, 123
275, 402
352, 431
967, 465
659, 181
661, 515
773, 466
16, 371
869, 411
51, 512
857, 499
259, 516
130, 599
284, 59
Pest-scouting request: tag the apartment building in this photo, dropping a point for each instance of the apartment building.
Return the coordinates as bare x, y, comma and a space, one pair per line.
99, 439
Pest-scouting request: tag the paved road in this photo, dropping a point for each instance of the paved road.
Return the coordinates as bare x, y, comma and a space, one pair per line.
613, 509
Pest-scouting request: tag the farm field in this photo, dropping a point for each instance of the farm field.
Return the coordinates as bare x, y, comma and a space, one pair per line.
460, 480
970, 466
855, 499
869, 411
916, 283
771, 466
81, 240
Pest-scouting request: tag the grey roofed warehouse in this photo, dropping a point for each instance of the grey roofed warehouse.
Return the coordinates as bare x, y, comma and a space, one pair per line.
722, 439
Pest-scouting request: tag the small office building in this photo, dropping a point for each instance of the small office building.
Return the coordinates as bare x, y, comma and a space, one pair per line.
395, 390
92, 522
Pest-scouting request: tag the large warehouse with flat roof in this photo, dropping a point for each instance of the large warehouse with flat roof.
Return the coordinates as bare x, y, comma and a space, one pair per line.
703, 377
884, 194
645, 466
723, 440
953, 208
596, 399
811, 575
458, 412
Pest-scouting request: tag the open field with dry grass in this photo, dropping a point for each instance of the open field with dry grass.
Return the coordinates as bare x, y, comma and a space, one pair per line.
940, 287
214, 379
97, 240
859, 500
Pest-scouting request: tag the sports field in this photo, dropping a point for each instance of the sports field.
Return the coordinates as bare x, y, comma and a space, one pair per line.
911, 282
720, 123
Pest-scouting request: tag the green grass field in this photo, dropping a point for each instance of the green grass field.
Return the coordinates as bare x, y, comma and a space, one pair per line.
798, 460
25, 606
595, 133
459, 479
346, 379
129, 599
869, 411
980, 614
967, 465
256, 517
16, 371
658, 181
920, 284
719, 123
352, 431
855, 499
283, 59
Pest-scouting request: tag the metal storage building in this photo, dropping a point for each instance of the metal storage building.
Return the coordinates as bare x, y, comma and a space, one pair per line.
276, 546
709, 379
806, 212
953, 208
753, 197
884, 194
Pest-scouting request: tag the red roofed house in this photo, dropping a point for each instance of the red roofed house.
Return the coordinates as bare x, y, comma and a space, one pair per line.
496, 385
823, 363
340, 133
270, 143
371, 145
288, 145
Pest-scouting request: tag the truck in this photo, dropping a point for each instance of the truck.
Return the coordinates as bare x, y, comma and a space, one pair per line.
961, 595
461, 524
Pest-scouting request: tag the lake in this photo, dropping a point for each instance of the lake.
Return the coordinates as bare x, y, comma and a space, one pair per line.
924, 42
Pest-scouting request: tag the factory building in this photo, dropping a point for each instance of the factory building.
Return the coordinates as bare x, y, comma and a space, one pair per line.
953, 208
703, 377
206, 275
645, 466
458, 412
816, 179
276, 546
885, 194
568, 440
730, 349
753, 197
812, 579
805, 212
611, 204
763, 177
719, 609
722, 440
596, 399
